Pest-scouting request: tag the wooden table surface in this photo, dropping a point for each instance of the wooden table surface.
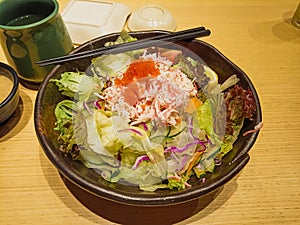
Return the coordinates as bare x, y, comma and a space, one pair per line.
256, 35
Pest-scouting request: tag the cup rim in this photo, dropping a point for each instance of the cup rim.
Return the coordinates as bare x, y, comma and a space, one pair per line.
42, 21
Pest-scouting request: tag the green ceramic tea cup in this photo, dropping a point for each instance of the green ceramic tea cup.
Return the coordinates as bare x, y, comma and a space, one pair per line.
32, 30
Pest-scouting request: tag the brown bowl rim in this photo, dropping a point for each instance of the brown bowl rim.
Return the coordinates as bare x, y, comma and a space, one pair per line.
10, 103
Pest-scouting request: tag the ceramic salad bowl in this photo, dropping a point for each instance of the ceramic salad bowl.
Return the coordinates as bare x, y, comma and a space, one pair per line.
90, 181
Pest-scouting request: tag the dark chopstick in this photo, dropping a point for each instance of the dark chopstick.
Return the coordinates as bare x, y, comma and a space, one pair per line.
158, 40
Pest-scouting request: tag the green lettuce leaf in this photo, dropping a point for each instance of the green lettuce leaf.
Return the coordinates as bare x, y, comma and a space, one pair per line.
176, 183
145, 174
110, 65
107, 128
78, 85
64, 117
108, 167
123, 38
205, 118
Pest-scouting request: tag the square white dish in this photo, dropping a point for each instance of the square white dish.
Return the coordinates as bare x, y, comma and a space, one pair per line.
88, 19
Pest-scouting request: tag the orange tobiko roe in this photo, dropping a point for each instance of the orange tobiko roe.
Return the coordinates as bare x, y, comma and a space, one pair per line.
136, 70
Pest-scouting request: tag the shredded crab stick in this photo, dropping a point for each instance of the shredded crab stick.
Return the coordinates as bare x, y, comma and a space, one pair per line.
150, 89
256, 129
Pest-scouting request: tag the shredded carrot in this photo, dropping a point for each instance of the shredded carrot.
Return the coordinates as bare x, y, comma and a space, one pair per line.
196, 157
136, 70
193, 161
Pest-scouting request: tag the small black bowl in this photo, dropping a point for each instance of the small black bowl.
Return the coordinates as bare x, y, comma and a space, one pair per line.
11, 100
88, 180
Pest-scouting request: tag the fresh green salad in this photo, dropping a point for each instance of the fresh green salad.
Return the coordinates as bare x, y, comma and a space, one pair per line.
150, 118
